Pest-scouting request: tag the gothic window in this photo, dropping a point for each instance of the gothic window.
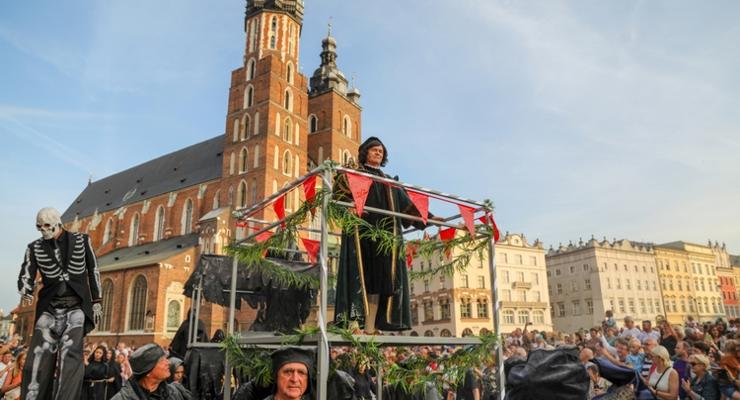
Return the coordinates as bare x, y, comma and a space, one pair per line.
243, 160
173, 316
237, 125
246, 122
287, 163
346, 157
133, 235
137, 304
288, 131
273, 32
159, 224
288, 103
249, 96
291, 40
251, 69
107, 305
255, 33
187, 217
289, 73
313, 124
217, 200
230, 198
232, 160
256, 128
347, 126
256, 156
108, 233
241, 195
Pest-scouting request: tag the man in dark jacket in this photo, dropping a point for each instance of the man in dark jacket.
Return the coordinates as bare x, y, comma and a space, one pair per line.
67, 308
150, 368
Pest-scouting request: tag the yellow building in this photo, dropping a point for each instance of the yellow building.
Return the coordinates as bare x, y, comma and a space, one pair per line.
675, 283
704, 296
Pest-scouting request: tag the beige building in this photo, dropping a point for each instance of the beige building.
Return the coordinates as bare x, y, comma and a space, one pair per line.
675, 282
588, 278
705, 296
460, 304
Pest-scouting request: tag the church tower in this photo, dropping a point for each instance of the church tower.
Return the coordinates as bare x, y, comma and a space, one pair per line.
334, 113
266, 125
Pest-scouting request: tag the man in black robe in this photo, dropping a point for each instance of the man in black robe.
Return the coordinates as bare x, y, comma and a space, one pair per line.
372, 285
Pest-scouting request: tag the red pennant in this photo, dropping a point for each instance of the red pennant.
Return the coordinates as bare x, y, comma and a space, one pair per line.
421, 202
360, 187
263, 237
312, 248
447, 234
241, 224
467, 214
488, 220
309, 188
279, 207
410, 253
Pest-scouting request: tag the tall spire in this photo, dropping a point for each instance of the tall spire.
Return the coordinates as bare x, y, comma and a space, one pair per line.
328, 76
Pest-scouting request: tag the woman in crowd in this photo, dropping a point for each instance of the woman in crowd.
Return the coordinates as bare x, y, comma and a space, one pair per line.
663, 382
12, 386
97, 375
177, 377
702, 386
668, 337
124, 367
727, 374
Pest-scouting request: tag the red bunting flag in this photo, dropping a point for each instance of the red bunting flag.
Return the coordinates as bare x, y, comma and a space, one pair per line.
312, 248
488, 220
360, 187
309, 189
410, 254
241, 224
467, 215
264, 236
447, 234
279, 207
421, 202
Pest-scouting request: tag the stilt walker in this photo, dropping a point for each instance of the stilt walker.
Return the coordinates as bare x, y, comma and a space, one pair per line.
67, 308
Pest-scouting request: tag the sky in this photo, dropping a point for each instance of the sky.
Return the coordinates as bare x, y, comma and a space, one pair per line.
617, 119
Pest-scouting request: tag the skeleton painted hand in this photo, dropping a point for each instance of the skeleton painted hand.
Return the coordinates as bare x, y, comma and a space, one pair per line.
97, 312
27, 297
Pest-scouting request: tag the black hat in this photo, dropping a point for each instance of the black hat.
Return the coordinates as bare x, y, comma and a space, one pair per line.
145, 358
372, 141
174, 363
291, 355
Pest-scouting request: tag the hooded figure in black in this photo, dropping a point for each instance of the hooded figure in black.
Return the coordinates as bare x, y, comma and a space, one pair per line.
373, 286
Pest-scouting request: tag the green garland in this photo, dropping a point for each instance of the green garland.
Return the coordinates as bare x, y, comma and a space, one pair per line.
411, 376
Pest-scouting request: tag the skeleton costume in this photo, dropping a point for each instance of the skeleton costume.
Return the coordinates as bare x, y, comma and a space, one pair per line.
66, 310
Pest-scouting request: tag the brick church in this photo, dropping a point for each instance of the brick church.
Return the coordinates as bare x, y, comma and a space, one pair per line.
150, 223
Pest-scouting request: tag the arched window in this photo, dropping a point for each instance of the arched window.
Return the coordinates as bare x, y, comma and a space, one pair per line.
230, 197
445, 333
288, 199
289, 72
243, 160
137, 304
253, 36
159, 224
346, 157
217, 200
187, 217
508, 317
429, 333
273, 32
275, 157
256, 128
232, 162
288, 102
108, 232
467, 332
538, 317
287, 163
251, 69
174, 315
414, 333
277, 124
483, 331
236, 129
256, 156
133, 232
291, 41
249, 96
241, 195
313, 124
288, 131
254, 190
246, 122
523, 316
107, 306
347, 126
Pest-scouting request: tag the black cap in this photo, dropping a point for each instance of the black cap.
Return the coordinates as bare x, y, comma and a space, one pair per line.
145, 358
291, 355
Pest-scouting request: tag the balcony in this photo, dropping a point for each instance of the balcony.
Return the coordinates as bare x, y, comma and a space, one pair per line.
522, 285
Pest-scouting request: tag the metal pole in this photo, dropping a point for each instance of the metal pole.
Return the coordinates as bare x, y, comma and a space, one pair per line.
379, 386
197, 310
323, 348
501, 378
232, 308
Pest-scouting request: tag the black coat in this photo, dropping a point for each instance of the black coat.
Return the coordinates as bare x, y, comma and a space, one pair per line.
79, 269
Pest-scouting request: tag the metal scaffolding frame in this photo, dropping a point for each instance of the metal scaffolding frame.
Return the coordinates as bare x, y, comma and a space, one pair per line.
323, 340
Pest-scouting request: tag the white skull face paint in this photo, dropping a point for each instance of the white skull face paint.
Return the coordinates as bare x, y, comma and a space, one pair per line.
48, 222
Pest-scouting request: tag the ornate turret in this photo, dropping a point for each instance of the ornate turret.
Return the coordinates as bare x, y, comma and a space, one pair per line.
292, 7
328, 76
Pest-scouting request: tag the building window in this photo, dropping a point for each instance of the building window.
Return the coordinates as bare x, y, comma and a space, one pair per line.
523, 317
628, 284
108, 233
133, 234
444, 308
445, 333
521, 295
576, 307
288, 103
237, 126
482, 308
249, 96
587, 284
174, 317
288, 131
538, 317
466, 309
251, 69
465, 281
159, 224
589, 306
246, 125
313, 125
481, 283
287, 163
187, 217
289, 73
631, 303
561, 309
573, 286
137, 304
508, 317
559, 287
414, 315
347, 126
426, 285
273, 33
622, 309
107, 306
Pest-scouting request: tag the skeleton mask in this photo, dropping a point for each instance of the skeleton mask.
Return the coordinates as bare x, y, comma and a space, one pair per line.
48, 222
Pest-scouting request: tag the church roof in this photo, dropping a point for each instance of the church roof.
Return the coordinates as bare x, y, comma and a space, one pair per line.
183, 168
146, 254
